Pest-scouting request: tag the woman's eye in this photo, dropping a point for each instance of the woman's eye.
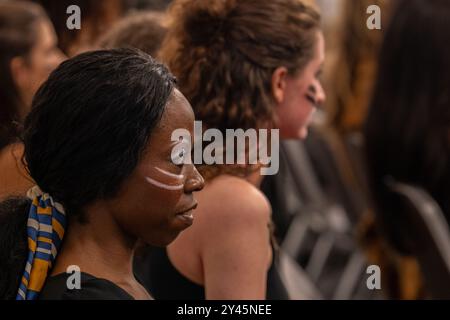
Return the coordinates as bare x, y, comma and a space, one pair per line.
178, 157
181, 154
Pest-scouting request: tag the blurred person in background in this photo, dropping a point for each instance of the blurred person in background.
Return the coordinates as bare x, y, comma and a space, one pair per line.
349, 80
141, 30
353, 64
28, 53
407, 130
322, 178
97, 17
151, 5
242, 66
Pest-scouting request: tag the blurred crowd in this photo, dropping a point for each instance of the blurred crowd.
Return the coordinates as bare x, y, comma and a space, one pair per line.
370, 185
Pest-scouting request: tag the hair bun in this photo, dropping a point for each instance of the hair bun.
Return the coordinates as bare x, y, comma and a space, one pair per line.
206, 20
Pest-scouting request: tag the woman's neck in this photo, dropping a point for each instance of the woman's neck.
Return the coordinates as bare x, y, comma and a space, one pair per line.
99, 247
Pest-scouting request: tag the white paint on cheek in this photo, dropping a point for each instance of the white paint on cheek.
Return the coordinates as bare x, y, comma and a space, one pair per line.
163, 185
176, 176
156, 183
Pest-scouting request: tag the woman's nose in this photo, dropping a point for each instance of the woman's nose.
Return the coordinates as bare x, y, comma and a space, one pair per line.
194, 181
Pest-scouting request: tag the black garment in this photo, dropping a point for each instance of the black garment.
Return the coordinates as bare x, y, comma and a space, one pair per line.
165, 282
92, 288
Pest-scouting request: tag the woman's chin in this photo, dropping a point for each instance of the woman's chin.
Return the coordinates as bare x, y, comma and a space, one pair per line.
162, 241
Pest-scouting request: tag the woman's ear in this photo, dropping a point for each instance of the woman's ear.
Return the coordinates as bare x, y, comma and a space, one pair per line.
279, 83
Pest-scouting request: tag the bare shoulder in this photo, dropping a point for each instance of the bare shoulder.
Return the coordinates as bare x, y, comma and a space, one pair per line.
234, 239
235, 203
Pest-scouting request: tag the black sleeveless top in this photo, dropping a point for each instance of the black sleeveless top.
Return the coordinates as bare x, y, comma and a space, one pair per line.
165, 282
91, 288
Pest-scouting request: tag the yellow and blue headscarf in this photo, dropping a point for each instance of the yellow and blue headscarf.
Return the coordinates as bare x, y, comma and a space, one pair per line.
45, 229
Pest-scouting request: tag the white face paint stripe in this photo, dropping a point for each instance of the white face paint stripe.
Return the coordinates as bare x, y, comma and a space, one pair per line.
163, 185
176, 176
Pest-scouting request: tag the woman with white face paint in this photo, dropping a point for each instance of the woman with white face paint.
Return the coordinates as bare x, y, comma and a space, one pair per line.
106, 182
245, 64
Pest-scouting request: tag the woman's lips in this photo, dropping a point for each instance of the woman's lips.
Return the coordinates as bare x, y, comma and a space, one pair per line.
187, 216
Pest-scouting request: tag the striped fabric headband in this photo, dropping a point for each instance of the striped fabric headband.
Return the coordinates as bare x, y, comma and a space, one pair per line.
45, 230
